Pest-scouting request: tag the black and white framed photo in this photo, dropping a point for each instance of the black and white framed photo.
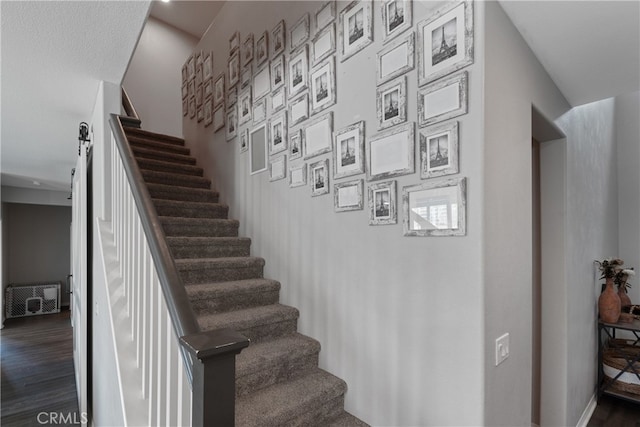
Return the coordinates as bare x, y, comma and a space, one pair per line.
323, 86
218, 90
199, 76
199, 95
261, 82
232, 123
207, 66
439, 150
319, 174
391, 153
232, 96
185, 73
298, 175
218, 117
192, 107
258, 150
278, 168
247, 50
278, 133
397, 16
208, 88
396, 59
391, 103
348, 150
185, 107
191, 66
234, 69
192, 88
185, 90
317, 136
234, 42
295, 144
245, 106
259, 111
208, 112
278, 39
262, 48
325, 15
244, 140
299, 33
443, 99
435, 208
445, 42
299, 109
246, 76
323, 44
348, 196
355, 28
200, 115
298, 71
382, 203
277, 73
278, 100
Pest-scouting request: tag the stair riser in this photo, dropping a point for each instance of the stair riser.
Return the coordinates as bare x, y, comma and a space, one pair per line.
210, 250
166, 139
212, 274
269, 374
178, 180
213, 211
167, 167
318, 416
238, 301
184, 195
198, 230
269, 331
142, 153
158, 146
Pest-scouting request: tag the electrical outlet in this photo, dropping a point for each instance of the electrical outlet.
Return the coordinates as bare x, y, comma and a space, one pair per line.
502, 348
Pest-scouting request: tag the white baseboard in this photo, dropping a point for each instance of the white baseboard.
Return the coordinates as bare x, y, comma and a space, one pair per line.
588, 412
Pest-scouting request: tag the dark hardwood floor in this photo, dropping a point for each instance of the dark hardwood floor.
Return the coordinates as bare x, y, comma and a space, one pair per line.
37, 371
612, 412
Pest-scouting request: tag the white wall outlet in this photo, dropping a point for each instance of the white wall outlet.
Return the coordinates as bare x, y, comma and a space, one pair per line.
502, 348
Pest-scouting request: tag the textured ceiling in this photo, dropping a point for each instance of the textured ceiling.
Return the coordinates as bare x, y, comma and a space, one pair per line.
193, 17
53, 56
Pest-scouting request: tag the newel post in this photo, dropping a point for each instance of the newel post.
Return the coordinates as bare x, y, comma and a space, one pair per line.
214, 375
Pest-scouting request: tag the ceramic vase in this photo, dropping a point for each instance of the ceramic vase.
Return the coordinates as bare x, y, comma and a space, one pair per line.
622, 293
609, 303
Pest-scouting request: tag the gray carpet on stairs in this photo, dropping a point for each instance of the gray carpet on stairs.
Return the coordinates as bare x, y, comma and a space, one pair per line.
278, 381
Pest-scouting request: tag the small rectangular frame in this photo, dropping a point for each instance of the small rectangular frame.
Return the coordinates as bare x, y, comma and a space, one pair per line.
319, 177
298, 71
244, 140
397, 16
259, 111
278, 39
247, 50
295, 144
218, 117
355, 28
277, 73
298, 175
396, 59
439, 150
391, 153
218, 90
278, 100
323, 86
317, 136
382, 203
325, 15
234, 69
299, 109
278, 133
207, 66
261, 83
262, 48
348, 151
443, 99
323, 44
348, 196
246, 77
391, 103
299, 32
232, 123
258, 158
244, 106
234, 42
278, 168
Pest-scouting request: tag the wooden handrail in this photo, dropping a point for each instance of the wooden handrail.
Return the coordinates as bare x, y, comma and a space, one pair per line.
128, 107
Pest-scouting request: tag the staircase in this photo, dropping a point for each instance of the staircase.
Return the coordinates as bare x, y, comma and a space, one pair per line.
278, 382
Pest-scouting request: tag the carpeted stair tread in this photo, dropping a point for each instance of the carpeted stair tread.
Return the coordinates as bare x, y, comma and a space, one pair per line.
271, 362
211, 298
174, 192
140, 133
171, 167
175, 179
174, 226
256, 323
346, 420
209, 247
190, 209
158, 146
296, 402
203, 270
142, 152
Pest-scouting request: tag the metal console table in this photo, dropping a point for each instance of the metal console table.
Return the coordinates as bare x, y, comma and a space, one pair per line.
630, 353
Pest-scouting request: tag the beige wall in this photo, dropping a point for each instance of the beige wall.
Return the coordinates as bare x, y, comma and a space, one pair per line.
399, 318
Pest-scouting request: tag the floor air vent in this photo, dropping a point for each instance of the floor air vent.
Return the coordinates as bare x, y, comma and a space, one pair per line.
31, 300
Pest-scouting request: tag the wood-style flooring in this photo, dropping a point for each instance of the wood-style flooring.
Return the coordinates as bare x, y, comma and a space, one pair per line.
612, 412
37, 371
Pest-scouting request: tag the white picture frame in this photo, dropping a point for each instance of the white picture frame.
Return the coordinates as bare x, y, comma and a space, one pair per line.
323, 44
435, 208
219, 90
391, 153
246, 77
317, 136
247, 50
208, 88
259, 111
208, 112
355, 28
278, 133
261, 82
278, 73
232, 123
348, 151
348, 196
200, 113
278, 100
234, 69
391, 103
439, 150
438, 57
325, 15
185, 107
244, 140
299, 33
192, 107
298, 175
319, 177
395, 59
191, 66
218, 117
383, 205
295, 144
278, 168
234, 42
258, 156
244, 106
262, 48
207, 66
232, 96
278, 39
323, 86
443, 99
397, 17
299, 109
298, 71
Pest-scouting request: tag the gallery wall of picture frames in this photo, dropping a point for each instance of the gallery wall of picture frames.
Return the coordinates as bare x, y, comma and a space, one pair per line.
277, 94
